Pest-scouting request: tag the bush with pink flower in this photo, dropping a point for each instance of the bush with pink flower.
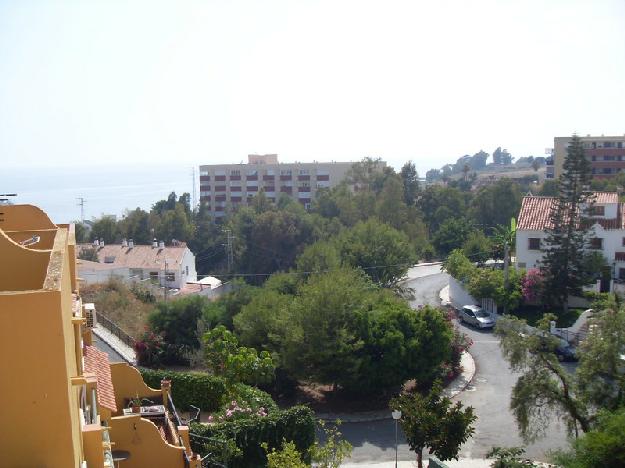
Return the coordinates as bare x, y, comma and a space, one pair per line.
532, 285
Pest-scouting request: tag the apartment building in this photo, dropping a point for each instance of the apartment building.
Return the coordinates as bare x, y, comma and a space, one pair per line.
64, 404
227, 186
605, 153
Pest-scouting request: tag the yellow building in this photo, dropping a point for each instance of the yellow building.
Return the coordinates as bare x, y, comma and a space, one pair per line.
63, 404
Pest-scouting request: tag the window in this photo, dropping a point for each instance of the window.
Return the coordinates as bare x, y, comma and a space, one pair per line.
170, 277
621, 273
623, 242
607, 170
522, 265
186, 269
608, 158
597, 210
304, 172
596, 243
137, 273
594, 158
235, 172
286, 172
154, 276
534, 243
203, 173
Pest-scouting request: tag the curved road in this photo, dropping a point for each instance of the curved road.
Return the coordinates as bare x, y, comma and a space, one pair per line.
489, 395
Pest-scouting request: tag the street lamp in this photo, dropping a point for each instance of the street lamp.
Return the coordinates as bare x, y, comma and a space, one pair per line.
396, 415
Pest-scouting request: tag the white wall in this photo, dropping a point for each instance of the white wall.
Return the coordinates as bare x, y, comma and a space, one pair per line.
99, 276
525, 257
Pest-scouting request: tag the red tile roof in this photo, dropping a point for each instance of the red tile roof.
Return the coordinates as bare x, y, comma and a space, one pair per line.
97, 362
140, 256
534, 214
606, 197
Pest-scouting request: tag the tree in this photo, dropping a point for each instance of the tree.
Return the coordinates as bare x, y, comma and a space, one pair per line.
432, 421
509, 457
545, 389
439, 203
603, 446
287, 457
452, 234
236, 363
410, 179
563, 258
176, 321
496, 204
81, 232
136, 226
382, 252
105, 229
335, 449
478, 247
322, 256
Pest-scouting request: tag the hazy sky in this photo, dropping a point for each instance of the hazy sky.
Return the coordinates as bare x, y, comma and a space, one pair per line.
201, 82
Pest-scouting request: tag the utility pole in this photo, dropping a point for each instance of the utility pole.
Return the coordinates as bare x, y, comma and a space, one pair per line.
81, 203
229, 252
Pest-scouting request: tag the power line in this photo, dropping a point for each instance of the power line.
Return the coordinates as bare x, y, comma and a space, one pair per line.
81, 203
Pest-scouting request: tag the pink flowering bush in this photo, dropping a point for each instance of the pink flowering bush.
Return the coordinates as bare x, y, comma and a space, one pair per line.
235, 411
531, 285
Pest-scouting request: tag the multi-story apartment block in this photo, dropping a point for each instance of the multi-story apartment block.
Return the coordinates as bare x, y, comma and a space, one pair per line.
227, 186
605, 153
64, 405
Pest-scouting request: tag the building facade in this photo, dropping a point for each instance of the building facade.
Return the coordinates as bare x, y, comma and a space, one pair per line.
170, 266
607, 234
227, 186
605, 153
64, 405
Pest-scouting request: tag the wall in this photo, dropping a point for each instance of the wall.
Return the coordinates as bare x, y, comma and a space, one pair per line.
39, 400
523, 254
142, 440
459, 296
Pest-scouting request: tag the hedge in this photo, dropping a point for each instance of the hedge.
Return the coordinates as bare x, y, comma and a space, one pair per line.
295, 424
207, 392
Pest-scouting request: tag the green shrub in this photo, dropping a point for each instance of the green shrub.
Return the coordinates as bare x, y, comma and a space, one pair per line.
205, 391
296, 424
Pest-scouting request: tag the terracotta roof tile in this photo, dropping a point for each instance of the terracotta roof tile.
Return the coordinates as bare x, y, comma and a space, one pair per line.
534, 214
140, 256
97, 362
606, 197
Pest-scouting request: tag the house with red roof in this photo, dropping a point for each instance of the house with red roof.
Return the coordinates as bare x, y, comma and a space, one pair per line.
606, 235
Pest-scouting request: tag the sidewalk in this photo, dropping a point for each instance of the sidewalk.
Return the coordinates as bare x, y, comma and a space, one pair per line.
118, 345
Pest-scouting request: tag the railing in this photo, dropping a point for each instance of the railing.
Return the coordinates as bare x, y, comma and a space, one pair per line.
115, 330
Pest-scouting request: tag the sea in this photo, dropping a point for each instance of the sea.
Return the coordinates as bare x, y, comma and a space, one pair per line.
105, 189
109, 190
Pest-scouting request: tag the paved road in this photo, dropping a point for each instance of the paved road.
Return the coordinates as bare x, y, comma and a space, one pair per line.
489, 395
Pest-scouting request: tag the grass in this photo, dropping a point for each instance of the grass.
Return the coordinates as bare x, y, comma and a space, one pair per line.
532, 314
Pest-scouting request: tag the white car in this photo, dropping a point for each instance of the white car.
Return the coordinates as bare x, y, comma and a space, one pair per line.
476, 316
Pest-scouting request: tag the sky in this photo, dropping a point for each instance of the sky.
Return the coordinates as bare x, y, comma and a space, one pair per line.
203, 82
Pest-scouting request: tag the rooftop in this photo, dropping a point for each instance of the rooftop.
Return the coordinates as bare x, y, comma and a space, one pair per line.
138, 256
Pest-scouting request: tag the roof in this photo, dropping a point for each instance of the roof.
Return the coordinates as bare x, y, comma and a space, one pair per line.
89, 265
536, 211
97, 362
140, 256
605, 197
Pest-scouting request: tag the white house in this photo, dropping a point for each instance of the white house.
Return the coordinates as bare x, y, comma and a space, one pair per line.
607, 234
172, 266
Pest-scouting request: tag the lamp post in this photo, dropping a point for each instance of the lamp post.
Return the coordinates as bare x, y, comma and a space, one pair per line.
396, 415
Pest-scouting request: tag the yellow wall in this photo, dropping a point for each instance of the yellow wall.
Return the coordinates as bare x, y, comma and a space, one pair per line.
21, 269
141, 438
127, 382
40, 404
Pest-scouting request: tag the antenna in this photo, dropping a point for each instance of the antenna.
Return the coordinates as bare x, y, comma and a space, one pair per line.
81, 203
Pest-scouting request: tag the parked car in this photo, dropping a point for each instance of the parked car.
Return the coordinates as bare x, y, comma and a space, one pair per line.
476, 316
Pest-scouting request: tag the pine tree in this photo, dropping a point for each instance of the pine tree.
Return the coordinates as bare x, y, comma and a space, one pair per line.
563, 250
